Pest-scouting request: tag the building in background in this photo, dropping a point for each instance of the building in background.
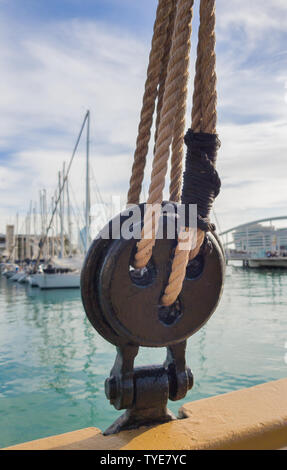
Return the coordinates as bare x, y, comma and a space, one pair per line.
23, 247
258, 239
281, 235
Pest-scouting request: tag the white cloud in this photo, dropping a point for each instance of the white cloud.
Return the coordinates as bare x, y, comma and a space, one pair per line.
257, 19
50, 75
68, 68
253, 167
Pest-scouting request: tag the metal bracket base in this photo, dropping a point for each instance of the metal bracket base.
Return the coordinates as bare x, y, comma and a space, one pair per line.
135, 418
144, 391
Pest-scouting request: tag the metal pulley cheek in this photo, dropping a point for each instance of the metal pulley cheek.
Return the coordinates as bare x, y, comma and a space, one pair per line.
89, 290
124, 304
91, 269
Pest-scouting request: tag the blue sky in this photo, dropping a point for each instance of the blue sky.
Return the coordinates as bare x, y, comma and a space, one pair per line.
59, 58
132, 15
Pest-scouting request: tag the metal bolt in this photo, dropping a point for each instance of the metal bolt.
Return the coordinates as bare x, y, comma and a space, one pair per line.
189, 378
111, 388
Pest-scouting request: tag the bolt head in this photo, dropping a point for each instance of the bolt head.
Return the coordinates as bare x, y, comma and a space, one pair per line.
189, 378
111, 388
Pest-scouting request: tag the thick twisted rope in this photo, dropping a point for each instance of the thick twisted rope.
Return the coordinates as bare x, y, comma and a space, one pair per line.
196, 114
208, 67
151, 88
204, 119
164, 67
179, 124
178, 138
174, 87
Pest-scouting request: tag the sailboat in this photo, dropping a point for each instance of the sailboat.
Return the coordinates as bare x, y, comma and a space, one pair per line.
64, 272
59, 277
9, 270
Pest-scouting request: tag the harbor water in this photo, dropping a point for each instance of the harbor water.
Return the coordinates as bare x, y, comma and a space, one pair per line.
53, 364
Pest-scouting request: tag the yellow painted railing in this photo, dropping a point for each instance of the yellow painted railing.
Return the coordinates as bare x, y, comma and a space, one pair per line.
254, 418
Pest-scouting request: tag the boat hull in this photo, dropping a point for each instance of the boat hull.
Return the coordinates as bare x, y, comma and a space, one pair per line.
32, 280
58, 281
9, 274
16, 276
23, 278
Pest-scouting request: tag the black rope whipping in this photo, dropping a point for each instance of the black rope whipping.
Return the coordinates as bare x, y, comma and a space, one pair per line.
201, 183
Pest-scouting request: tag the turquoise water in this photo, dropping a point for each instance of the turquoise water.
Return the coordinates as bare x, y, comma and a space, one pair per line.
53, 364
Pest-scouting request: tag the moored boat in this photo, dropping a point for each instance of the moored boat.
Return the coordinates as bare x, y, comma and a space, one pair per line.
22, 278
16, 276
58, 280
32, 280
10, 270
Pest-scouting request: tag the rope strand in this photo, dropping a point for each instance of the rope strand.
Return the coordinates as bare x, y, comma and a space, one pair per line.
178, 60
204, 119
150, 94
167, 80
165, 61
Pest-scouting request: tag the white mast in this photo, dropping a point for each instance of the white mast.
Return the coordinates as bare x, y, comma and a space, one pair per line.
64, 181
26, 237
35, 228
63, 200
41, 213
69, 218
22, 248
35, 219
57, 225
59, 200
42, 217
61, 218
46, 248
28, 234
53, 231
88, 195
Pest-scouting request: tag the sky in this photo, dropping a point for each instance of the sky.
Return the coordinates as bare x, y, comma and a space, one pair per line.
62, 57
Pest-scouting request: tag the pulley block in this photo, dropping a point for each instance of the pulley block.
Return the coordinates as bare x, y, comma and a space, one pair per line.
124, 305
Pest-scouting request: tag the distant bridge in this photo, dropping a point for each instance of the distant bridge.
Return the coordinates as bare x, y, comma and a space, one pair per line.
259, 221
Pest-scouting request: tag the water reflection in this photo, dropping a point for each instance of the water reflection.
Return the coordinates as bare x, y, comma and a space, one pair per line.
53, 364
